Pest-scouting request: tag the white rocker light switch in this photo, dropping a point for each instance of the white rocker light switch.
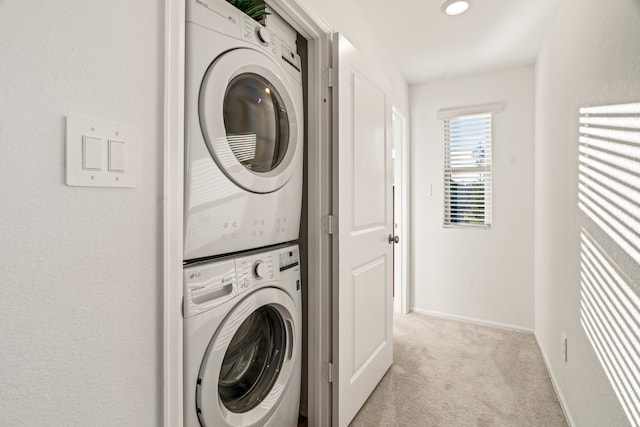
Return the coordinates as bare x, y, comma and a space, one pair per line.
101, 154
91, 153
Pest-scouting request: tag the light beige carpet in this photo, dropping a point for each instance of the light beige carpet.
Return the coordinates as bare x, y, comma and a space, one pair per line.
453, 374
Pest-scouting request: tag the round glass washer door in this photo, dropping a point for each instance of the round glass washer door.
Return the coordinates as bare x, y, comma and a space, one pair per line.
248, 361
249, 113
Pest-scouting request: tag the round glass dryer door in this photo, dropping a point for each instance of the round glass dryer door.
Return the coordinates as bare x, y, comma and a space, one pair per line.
256, 122
249, 361
249, 113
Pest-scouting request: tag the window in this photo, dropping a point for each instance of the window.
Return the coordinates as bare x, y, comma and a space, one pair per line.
467, 170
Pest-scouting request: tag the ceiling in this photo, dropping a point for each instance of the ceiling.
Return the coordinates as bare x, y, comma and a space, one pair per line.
429, 45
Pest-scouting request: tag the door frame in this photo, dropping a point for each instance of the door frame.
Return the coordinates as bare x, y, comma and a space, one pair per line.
172, 203
318, 191
405, 216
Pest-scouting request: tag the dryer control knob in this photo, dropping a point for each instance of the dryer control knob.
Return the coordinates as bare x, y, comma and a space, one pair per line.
260, 270
263, 35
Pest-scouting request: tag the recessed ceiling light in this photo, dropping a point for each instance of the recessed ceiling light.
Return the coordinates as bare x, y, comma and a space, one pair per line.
455, 7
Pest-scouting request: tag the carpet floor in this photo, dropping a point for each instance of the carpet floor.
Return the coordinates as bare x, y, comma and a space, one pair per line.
453, 374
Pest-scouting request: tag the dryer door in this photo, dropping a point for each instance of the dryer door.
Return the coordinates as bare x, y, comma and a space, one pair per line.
249, 361
250, 116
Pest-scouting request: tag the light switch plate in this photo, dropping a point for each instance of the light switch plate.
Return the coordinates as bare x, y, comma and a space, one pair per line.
81, 129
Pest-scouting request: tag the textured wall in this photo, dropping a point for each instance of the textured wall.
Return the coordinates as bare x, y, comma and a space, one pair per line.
485, 275
592, 57
80, 311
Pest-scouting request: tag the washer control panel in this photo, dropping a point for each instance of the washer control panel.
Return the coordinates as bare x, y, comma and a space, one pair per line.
289, 259
262, 270
208, 285
254, 269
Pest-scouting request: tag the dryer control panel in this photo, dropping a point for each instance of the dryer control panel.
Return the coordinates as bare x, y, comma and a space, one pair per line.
256, 33
220, 16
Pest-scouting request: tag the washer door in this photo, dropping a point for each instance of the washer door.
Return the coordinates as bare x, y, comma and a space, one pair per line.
249, 119
248, 362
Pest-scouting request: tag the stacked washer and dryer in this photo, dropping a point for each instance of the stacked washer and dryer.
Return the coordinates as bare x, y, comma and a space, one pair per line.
242, 203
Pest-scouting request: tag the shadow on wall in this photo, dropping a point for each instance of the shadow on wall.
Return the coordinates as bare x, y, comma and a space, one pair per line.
609, 196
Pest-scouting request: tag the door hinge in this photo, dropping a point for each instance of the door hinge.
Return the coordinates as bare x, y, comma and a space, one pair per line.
330, 224
330, 372
330, 77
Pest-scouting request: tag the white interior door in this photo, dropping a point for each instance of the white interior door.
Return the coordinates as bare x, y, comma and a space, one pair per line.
363, 347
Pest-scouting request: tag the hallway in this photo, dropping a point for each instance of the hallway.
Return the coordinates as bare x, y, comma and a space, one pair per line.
449, 373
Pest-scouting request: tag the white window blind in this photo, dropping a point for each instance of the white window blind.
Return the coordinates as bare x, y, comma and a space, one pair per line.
467, 171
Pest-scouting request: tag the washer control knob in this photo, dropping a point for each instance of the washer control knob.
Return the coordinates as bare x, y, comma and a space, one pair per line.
260, 270
263, 35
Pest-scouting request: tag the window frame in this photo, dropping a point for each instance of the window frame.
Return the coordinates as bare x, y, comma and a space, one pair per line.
466, 162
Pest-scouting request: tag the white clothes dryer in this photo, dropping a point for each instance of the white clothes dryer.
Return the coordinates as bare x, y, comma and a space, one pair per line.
243, 133
242, 340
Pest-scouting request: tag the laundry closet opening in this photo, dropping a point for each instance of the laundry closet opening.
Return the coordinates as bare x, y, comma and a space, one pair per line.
244, 140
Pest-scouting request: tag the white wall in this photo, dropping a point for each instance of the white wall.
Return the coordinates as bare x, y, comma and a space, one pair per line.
485, 275
80, 311
592, 57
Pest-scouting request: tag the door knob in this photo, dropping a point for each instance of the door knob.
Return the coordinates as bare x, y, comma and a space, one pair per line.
393, 239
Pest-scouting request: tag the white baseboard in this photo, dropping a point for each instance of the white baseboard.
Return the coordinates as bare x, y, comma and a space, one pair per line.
473, 320
563, 403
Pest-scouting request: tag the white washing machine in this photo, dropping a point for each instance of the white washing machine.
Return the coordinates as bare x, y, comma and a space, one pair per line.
242, 335
244, 133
